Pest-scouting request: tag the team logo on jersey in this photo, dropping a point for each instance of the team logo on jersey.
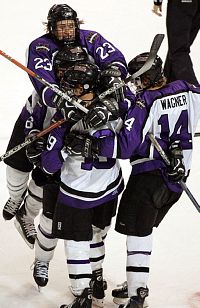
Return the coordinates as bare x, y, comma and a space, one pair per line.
140, 104
42, 47
92, 37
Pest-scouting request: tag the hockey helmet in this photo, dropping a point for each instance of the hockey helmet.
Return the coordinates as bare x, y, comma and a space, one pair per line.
61, 12
68, 56
82, 74
153, 75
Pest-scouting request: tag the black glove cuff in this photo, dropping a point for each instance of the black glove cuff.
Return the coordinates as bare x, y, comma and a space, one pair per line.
158, 2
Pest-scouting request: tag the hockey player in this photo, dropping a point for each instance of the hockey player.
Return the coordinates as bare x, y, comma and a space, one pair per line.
46, 243
171, 112
17, 176
183, 24
88, 192
63, 27
19, 167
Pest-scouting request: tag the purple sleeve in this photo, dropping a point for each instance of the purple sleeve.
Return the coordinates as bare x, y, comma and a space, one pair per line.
129, 138
40, 54
102, 50
36, 119
128, 102
51, 159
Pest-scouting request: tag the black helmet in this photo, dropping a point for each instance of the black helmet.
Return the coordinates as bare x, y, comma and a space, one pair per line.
68, 56
85, 74
154, 74
60, 12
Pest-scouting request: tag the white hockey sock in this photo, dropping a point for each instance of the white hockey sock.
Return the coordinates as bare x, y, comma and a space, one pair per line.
97, 247
16, 182
33, 203
78, 263
138, 259
45, 244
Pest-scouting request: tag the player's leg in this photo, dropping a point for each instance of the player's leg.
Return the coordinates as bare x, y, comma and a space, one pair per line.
145, 196
179, 22
30, 209
17, 171
75, 227
102, 217
46, 243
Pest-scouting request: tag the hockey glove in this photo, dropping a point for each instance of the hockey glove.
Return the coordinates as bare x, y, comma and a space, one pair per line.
176, 170
69, 111
102, 112
81, 145
35, 149
110, 77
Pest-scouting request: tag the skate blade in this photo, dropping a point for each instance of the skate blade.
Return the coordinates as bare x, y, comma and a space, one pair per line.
19, 229
120, 301
123, 301
98, 302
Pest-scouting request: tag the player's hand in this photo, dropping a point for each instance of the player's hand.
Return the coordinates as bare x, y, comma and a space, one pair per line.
35, 149
81, 145
176, 170
68, 110
102, 112
109, 77
157, 9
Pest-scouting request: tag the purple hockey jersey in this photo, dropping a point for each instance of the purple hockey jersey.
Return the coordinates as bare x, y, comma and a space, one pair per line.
42, 51
85, 183
170, 113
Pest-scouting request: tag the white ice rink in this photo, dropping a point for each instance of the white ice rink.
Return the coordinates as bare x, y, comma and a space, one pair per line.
175, 265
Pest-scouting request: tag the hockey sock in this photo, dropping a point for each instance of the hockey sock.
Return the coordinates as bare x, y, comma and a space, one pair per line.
45, 244
138, 258
78, 263
16, 182
97, 247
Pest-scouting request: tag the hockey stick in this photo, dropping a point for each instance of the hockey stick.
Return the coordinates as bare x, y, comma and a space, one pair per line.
157, 41
167, 161
76, 102
31, 139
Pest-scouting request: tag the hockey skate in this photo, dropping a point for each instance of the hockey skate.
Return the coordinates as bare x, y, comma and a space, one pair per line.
137, 301
98, 287
40, 273
10, 208
120, 295
82, 301
25, 227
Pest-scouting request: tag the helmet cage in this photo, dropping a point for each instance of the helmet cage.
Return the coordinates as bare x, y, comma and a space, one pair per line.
61, 12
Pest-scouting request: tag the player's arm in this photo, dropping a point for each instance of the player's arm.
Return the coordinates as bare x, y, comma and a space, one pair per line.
129, 137
108, 144
103, 51
40, 61
54, 156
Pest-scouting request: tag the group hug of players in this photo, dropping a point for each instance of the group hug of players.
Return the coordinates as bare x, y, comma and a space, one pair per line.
73, 173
